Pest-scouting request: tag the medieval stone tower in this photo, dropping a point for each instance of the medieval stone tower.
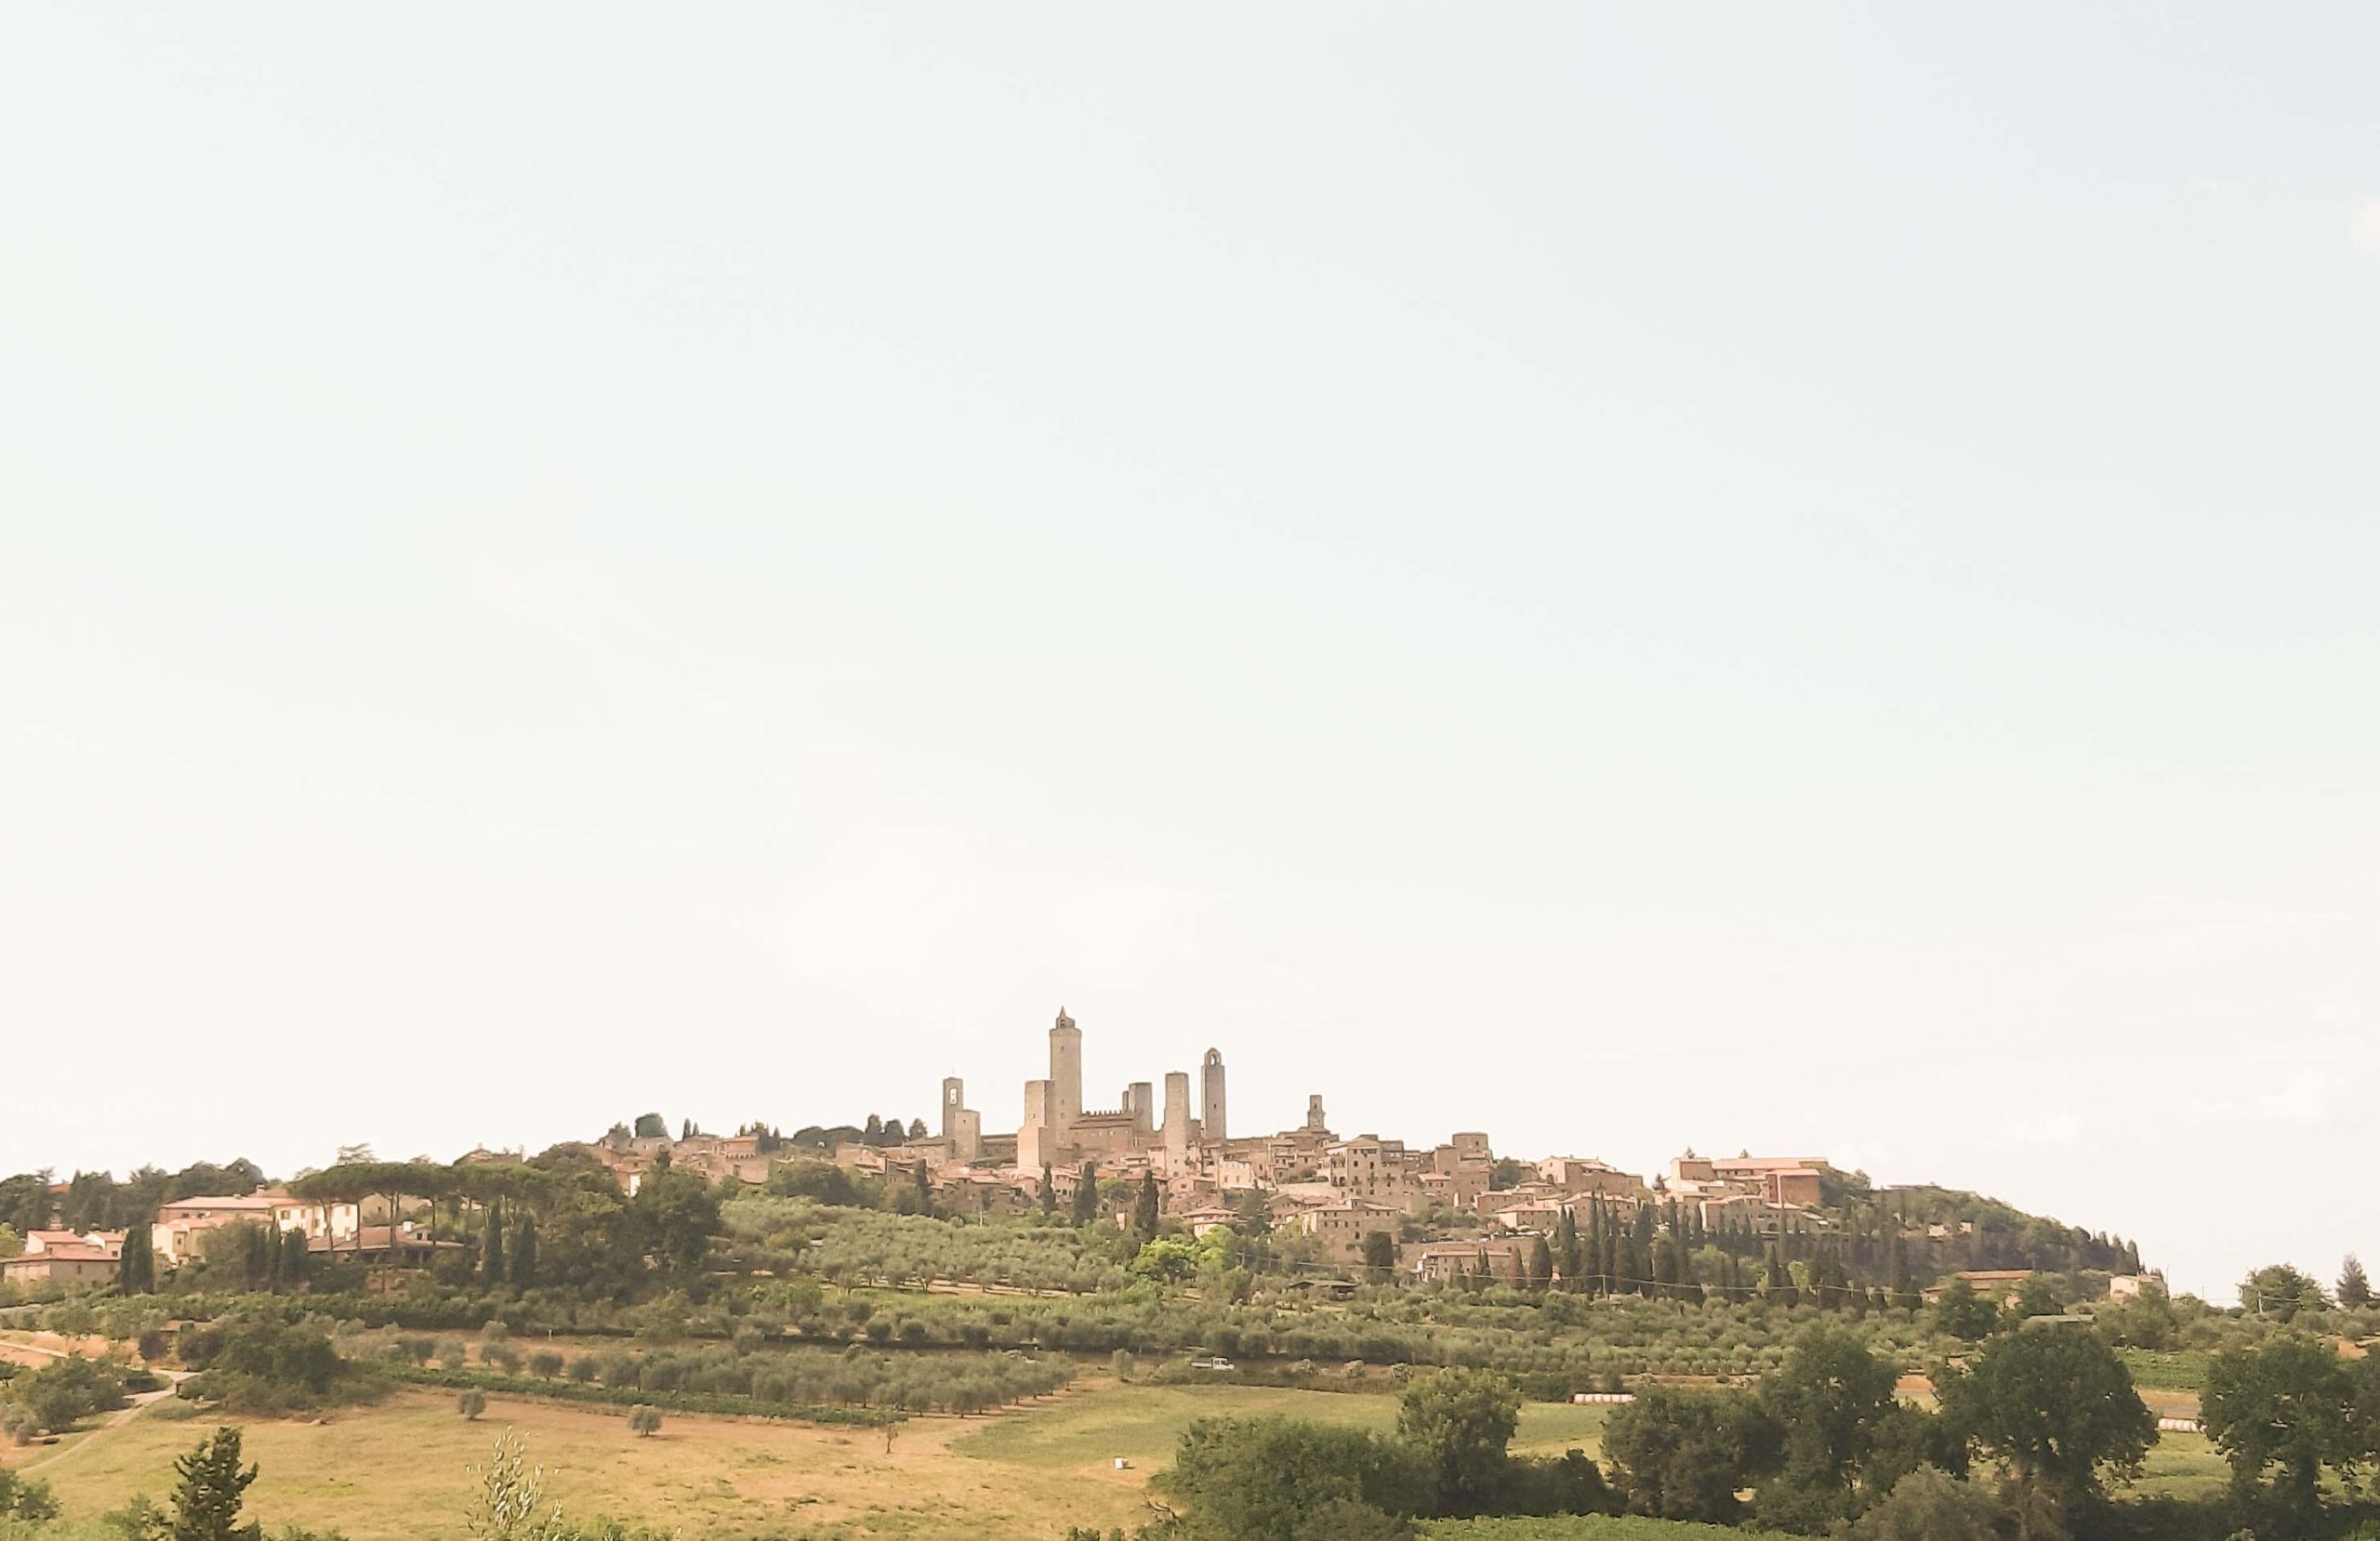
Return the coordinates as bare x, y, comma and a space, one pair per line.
962, 1125
1177, 1116
1066, 1074
1210, 1098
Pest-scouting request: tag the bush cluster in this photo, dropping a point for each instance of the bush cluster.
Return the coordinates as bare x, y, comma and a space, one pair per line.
792, 1382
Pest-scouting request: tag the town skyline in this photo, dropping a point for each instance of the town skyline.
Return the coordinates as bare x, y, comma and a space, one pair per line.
1132, 1138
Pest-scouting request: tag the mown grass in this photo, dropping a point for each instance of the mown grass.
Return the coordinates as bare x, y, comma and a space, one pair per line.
2182, 1466
1142, 1424
399, 1472
1578, 1528
2176, 1371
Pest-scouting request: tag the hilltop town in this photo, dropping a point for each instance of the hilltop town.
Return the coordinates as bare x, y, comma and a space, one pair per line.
1432, 1211
1327, 1200
1146, 1260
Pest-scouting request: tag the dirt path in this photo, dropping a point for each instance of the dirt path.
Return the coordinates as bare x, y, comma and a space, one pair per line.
140, 1402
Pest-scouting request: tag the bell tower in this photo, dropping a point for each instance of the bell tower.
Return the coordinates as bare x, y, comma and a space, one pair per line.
1210, 1098
1066, 1074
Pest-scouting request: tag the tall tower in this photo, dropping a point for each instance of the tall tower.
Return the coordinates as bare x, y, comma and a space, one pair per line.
1066, 1074
1210, 1097
962, 1125
1177, 1116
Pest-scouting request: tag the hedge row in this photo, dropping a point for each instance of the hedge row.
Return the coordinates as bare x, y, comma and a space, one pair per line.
629, 1396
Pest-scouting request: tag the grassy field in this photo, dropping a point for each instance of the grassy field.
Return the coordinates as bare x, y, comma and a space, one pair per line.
2183, 1466
1141, 1424
398, 1470
1578, 1528
2166, 1372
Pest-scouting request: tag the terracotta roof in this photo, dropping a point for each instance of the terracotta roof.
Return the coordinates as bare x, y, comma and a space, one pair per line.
376, 1239
1451, 1249
226, 1201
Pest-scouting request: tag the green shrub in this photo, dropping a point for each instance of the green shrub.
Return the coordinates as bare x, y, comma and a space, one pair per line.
265, 1367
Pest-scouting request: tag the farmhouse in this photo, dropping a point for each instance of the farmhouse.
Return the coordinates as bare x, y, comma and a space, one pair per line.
1437, 1262
1338, 1228
174, 1236
65, 1256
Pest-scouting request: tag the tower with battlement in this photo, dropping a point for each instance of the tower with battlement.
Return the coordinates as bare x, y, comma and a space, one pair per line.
1210, 1099
962, 1125
1066, 1074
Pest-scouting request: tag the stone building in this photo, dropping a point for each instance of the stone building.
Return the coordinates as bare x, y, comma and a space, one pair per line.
962, 1125
1438, 1262
1575, 1175
1338, 1228
1369, 1168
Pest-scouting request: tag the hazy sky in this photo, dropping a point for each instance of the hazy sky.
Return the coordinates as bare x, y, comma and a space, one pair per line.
1794, 577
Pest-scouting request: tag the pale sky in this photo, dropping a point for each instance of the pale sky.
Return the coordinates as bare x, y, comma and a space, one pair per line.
1788, 577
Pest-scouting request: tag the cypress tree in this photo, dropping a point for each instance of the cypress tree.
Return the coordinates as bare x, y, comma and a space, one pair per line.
524, 1261
297, 1256
1833, 1283
492, 1247
1144, 1207
1049, 1193
207, 1500
1566, 1235
136, 1271
1086, 1207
